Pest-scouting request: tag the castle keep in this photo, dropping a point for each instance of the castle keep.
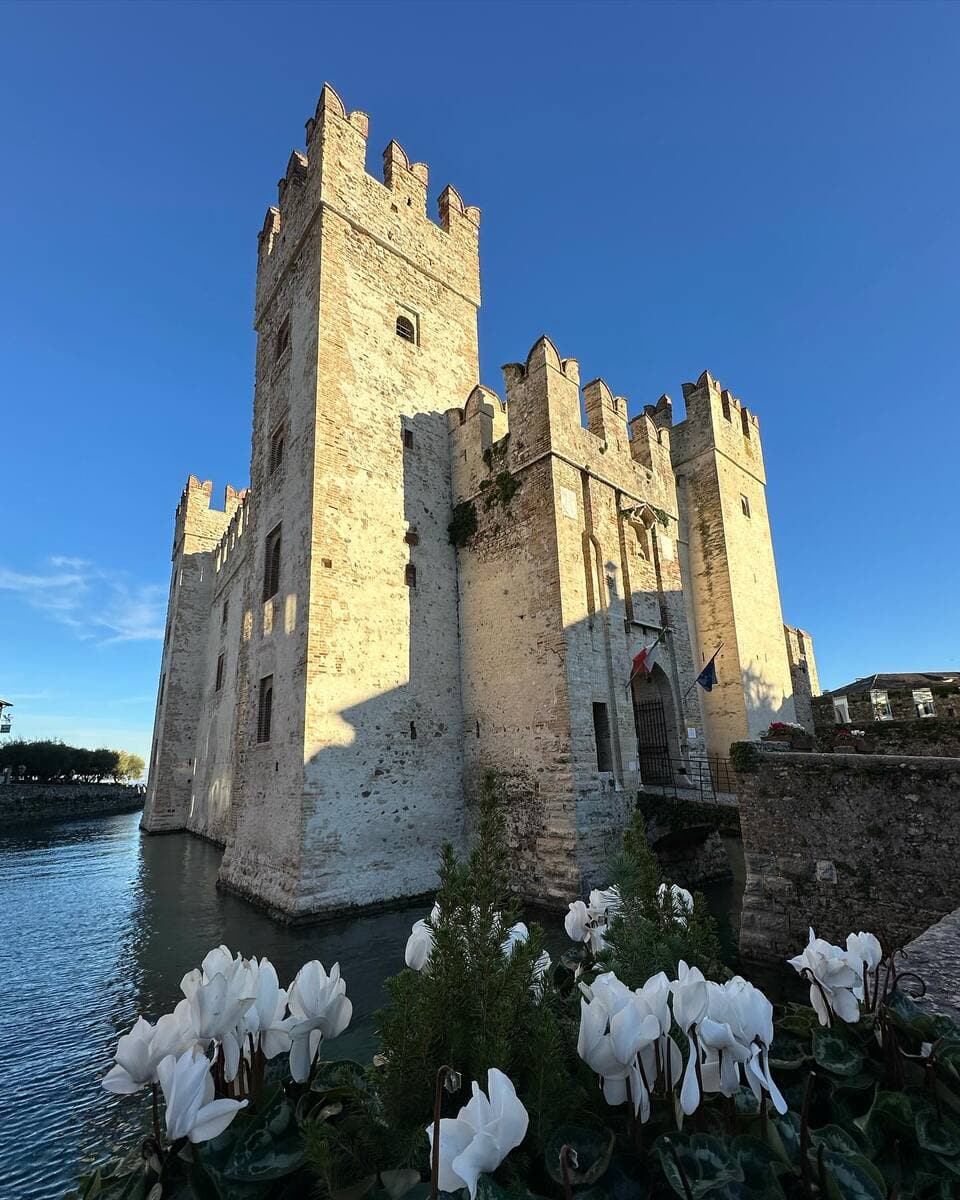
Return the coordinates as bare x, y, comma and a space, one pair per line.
426, 582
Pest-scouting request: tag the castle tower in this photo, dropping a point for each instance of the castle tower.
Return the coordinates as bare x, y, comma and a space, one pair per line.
197, 530
568, 566
348, 727
803, 673
730, 575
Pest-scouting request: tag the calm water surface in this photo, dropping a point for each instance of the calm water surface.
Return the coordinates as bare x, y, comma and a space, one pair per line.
98, 925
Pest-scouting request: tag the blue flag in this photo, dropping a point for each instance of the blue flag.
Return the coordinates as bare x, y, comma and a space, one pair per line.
708, 676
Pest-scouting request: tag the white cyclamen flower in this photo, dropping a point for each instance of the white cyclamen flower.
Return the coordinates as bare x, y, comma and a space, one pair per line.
616, 1026
319, 1009
140, 1051
516, 936
420, 942
680, 901
264, 1021
191, 1111
481, 1135
834, 979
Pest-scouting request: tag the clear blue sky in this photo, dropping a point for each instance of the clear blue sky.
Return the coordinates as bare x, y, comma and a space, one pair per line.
768, 191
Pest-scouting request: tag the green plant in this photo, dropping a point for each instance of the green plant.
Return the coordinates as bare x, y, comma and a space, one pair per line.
472, 1007
464, 524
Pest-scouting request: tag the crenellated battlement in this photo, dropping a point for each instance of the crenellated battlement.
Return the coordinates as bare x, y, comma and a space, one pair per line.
716, 419
196, 523
225, 550
542, 415
332, 173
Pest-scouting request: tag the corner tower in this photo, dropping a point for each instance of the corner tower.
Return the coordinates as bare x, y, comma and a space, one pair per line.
349, 724
730, 575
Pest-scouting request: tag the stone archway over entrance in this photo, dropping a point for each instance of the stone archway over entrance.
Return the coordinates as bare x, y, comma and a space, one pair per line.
655, 716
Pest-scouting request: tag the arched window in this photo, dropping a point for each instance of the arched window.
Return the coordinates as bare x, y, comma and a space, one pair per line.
406, 329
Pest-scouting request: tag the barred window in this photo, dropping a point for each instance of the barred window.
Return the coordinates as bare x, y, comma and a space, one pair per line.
265, 709
283, 339
276, 447
271, 563
406, 329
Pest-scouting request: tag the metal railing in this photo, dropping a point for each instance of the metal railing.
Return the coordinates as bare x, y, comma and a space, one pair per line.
710, 780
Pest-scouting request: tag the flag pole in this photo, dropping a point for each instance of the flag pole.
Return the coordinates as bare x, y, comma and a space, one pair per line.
702, 669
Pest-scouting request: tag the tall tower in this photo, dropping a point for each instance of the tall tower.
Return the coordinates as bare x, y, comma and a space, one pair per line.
730, 577
197, 530
348, 727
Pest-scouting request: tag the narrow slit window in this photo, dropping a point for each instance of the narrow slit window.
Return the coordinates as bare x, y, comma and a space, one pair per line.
265, 709
219, 680
271, 563
408, 439
163, 680
745, 506
406, 329
283, 339
277, 440
225, 613
601, 733
410, 575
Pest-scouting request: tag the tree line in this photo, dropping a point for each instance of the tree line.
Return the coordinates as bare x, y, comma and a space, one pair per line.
52, 762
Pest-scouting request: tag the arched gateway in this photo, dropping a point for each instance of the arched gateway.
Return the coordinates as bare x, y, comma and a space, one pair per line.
656, 722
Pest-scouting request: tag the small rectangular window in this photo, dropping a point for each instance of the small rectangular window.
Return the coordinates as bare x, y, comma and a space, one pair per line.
410, 575
408, 439
271, 563
745, 506
265, 709
219, 682
225, 612
283, 339
276, 447
601, 734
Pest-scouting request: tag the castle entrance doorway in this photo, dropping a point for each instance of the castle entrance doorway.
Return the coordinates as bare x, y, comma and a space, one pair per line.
653, 715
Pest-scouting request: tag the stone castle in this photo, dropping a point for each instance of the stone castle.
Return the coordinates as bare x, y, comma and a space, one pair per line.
425, 583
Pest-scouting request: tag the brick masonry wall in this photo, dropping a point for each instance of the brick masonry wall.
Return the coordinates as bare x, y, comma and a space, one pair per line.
847, 842
23, 802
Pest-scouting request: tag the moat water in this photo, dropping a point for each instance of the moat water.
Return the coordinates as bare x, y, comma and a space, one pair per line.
97, 925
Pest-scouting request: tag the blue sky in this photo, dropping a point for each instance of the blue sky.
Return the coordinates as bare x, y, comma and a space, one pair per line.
767, 191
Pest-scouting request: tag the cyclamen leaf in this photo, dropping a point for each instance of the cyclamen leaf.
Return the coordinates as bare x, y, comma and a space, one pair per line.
851, 1177
270, 1147
706, 1162
836, 1054
938, 1134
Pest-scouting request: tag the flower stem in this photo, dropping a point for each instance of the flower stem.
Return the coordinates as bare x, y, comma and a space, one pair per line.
156, 1113
435, 1161
805, 1134
680, 1171
565, 1171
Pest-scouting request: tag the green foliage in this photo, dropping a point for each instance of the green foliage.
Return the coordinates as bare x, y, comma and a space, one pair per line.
464, 524
646, 937
744, 758
52, 761
472, 1007
503, 488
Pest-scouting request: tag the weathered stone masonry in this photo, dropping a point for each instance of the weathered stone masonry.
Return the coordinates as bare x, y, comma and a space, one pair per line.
847, 842
340, 671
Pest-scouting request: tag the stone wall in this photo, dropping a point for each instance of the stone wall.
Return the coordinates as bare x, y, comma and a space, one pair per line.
932, 736
21, 802
847, 842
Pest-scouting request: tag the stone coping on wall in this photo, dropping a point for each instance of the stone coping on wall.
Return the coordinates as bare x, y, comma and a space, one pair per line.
926, 763
935, 957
